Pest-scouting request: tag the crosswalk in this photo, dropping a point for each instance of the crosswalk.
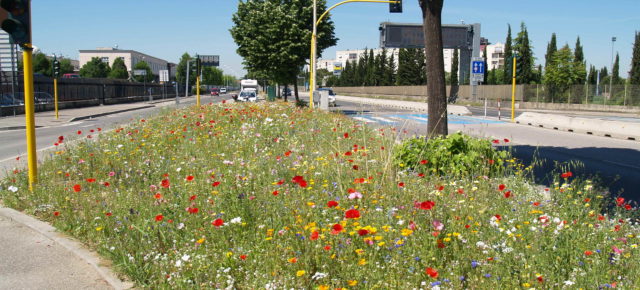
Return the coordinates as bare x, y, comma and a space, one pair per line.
396, 119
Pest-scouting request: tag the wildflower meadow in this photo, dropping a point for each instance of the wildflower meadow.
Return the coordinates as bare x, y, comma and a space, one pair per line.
268, 195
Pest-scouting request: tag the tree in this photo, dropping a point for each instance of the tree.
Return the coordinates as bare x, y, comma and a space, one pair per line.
420, 64
273, 36
436, 90
65, 66
119, 70
581, 67
390, 72
508, 58
615, 72
94, 69
41, 64
148, 77
525, 56
181, 71
552, 47
634, 77
486, 67
593, 75
561, 73
212, 76
454, 74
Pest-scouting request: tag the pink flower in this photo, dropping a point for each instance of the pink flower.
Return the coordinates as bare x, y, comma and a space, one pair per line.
437, 225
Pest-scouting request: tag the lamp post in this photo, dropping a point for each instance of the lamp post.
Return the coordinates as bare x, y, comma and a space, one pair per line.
613, 40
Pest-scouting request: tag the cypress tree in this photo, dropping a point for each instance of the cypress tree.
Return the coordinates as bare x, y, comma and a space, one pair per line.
486, 67
403, 77
615, 73
454, 68
508, 58
580, 66
390, 71
370, 77
525, 56
552, 47
420, 65
593, 75
634, 77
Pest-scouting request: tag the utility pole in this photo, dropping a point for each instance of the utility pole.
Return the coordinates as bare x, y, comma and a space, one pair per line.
613, 40
186, 85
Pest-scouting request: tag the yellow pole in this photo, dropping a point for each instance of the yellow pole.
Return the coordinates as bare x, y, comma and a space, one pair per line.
55, 96
513, 92
29, 113
198, 91
312, 71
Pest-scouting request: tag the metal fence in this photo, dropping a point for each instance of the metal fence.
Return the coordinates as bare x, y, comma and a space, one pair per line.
616, 95
78, 92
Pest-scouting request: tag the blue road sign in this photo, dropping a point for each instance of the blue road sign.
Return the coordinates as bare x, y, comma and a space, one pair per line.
478, 67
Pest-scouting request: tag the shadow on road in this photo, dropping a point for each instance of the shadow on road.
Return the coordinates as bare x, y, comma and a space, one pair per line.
612, 168
353, 112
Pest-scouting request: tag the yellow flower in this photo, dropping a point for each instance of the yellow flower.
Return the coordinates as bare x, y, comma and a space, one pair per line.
200, 241
323, 287
98, 228
300, 273
359, 251
362, 262
406, 232
352, 282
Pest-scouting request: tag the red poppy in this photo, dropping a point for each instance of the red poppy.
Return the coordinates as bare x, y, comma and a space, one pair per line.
77, 188
327, 247
427, 205
332, 203
363, 232
215, 183
432, 272
467, 226
588, 253
461, 190
300, 181
337, 228
498, 217
314, 236
401, 184
91, 180
505, 140
218, 222
275, 192
60, 139
189, 178
423, 161
420, 174
566, 175
440, 188
501, 187
56, 213
159, 218
507, 194
346, 135
355, 167
491, 161
243, 257
627, 206
280, 182
79, 132
619, 201
108, 214
536, 203
348, 153
165, 183
358, 180
106, 183
192, 210
288, 153
352, 214
158, 196
495, 141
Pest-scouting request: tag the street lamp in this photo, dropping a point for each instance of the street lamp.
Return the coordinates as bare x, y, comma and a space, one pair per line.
613, 40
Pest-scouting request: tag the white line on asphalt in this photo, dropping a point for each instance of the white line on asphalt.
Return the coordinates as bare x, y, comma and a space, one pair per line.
363, 119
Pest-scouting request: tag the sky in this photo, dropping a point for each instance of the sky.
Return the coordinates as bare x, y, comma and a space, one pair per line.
169, 28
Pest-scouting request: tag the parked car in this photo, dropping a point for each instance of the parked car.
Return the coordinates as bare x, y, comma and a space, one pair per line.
6, 100
38, 98
43, 98
70, 76
247, 96
223, 90
332, 96
286, 92
215, 92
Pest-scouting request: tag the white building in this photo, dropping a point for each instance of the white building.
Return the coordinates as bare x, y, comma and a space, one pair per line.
495, 56
130, 57
354, 55
7, 60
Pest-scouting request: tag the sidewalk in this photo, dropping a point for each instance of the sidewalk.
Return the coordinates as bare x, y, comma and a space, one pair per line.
33, 254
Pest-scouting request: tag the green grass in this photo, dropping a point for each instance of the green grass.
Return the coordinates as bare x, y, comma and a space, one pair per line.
267, 172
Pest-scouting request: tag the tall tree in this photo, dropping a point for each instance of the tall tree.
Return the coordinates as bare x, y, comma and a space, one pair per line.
615, 72
41, 64
181, 71
454, 74
119, 70
560, 74
94, 69
486, 67
419, 66
403, 76
508, 58
148, 77
390, 71
273, 36
552, 47
370, 69
634, 77
436, 90
523, 48
581, 67
593, 75
65, 66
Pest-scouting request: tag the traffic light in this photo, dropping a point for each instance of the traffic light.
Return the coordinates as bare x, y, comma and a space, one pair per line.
198, 65
18, 21
56, 68
395, 7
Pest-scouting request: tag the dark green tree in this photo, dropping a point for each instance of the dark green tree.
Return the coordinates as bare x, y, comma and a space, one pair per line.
581, 66
561, 73
273, 36
604, 75
420, 66
390, 71
454, 75
403, 77
436, 90
181, 71
634, 77
41, 64
65, 66
525, 60
552, 47
212, 76
95, 69
119, 70
143, 65
370, 70
486, 66
615, 72
593, 75
508, 58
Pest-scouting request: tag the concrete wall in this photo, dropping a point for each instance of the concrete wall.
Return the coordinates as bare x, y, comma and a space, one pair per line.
465, 92
579, 107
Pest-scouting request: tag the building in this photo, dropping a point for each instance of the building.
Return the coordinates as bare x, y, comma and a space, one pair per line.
8, 60
354, 55
130, 57
495, 56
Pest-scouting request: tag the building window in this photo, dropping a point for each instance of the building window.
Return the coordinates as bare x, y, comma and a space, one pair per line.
105, 59
353, 56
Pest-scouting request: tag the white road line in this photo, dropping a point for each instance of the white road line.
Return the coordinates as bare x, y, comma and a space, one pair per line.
362, 119
86, 126
25, 154
382, 119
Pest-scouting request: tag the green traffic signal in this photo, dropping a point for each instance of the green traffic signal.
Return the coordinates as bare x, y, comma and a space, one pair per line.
56, 68
395, 7
18, 23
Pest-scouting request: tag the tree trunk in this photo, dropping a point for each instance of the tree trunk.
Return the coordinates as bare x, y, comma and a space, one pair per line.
436, 87
295, 89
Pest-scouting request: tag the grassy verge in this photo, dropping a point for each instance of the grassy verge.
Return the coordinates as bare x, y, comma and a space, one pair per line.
269, 195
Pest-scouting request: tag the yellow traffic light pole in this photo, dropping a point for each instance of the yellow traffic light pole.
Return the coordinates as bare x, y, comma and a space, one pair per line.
29, 113
513, 91
55, 96
312, 60
198, 90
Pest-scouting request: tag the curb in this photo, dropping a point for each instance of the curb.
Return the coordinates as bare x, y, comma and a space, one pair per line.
598, 127
406, 105
109, 113
72, 246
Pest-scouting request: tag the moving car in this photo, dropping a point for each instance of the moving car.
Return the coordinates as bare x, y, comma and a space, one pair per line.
223, 90
70, 76
332, 96
215, 92
247, 96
